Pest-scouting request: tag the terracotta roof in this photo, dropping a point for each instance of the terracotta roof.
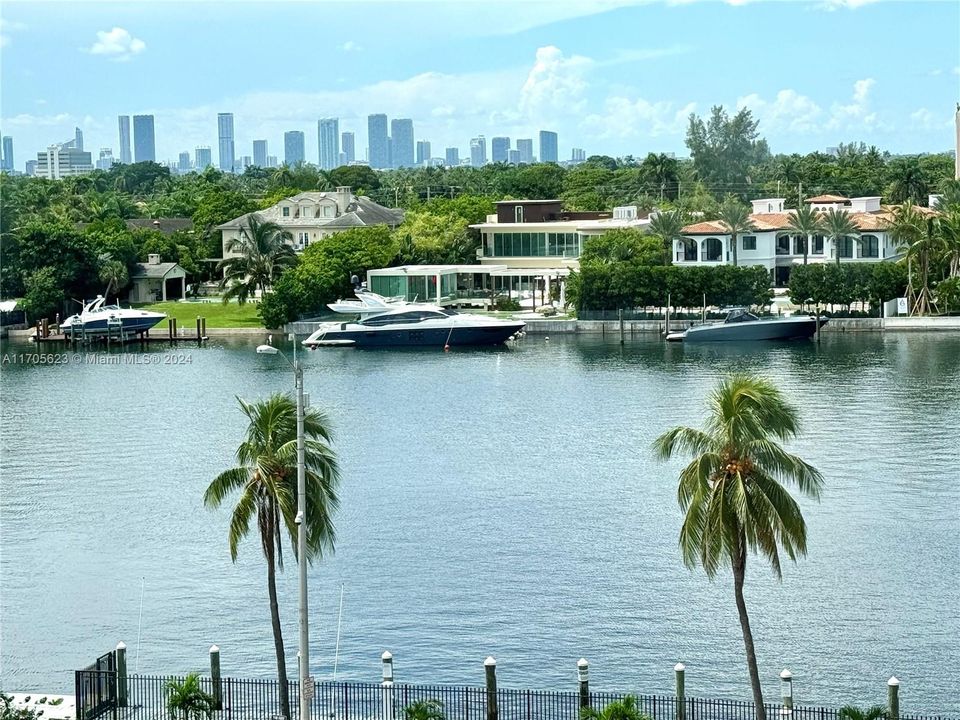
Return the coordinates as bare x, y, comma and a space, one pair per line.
827, 199
709, 227
875, 221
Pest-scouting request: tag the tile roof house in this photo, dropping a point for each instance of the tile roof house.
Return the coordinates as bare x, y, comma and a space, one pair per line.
312, 216
773, 246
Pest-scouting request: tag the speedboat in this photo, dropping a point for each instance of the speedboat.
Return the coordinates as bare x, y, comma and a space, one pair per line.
397, 322
741, 325
99, 319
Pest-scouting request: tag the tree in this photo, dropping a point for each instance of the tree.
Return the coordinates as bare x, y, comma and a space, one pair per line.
907, 181
915, 234
186, 700
724, 148
733, 492
625, 709
266, 480
263, 254
852, 712
667, 226
427, 710
806, 221
43, 296
662, 175
735, 218
355, 176
948, 225
216, 207
837, 225
113, 273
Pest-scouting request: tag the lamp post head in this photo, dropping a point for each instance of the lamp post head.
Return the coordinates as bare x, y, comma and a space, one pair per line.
490, 661
583, 670
786, 675
893, 682
387, 659
266, 350
121, 645
679, 667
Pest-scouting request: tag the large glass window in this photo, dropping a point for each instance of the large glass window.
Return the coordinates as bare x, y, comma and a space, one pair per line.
817, 245
869, 246
712, 249
845, 246
783, 245
749, 242
799, 244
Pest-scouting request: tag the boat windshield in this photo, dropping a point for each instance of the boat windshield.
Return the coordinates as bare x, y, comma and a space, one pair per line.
449, 312
740, 315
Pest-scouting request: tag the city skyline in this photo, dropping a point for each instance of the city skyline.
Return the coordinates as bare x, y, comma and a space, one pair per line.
571, 68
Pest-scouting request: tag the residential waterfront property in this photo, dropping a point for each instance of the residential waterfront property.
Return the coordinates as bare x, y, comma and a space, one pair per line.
437, 284
154, 281
776, 248
311, 216
538, 242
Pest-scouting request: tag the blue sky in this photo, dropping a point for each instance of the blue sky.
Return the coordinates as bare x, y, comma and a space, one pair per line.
611, 76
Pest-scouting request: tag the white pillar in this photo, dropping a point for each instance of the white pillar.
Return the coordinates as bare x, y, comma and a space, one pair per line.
387, 685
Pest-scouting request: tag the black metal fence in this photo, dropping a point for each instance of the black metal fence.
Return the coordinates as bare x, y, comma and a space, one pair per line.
144, 698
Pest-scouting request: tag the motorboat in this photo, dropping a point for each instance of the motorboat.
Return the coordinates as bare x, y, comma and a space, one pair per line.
395, 322
741, 325
96, 318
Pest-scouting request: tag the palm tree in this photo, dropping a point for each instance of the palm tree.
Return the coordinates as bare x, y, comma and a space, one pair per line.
733, 490
735, 218
266, 479
668, 227
113, 273
949, 229
852, 712
916, 235
186, 700
625, 709
838, 226
260, 254
281, 176
428, 710
807, 222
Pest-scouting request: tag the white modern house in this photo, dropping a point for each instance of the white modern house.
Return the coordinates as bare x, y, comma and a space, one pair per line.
311, 216
534, 244
774, 247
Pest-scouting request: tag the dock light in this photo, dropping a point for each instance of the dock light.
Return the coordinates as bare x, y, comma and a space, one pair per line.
786, 690
387, 659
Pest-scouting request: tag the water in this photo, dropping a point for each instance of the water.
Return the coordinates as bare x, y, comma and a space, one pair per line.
498, 502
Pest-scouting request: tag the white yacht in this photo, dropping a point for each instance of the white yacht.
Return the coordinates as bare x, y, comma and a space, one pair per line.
99, 319
394, 322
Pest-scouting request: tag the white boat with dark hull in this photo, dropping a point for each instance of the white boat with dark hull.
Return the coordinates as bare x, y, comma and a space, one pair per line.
743, 326
99, 319
397, 323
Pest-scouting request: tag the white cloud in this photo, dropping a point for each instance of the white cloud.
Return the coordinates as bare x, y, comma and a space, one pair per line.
555, 84
351, 46
857, 113
831, 5
7, 27
118, 44
625, 118
788, 111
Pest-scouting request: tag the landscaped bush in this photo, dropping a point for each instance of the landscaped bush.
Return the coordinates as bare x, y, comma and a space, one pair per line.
831, 284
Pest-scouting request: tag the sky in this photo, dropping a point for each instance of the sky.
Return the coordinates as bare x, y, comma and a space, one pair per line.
614, 77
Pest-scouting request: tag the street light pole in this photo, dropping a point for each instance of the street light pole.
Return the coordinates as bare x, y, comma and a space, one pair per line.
306, 687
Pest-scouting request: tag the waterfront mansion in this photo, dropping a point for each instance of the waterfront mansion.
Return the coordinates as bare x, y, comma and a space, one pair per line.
312, 216
774, 247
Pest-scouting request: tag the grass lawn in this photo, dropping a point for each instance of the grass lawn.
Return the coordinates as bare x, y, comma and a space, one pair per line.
217, 314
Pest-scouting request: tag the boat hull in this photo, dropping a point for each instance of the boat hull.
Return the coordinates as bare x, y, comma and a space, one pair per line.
100, 326
794, 328
412, 337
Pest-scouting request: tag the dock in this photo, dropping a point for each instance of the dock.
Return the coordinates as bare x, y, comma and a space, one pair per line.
46, 333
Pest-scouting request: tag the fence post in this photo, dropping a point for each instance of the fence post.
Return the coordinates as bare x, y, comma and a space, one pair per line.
121, 674
786, 691
387, 685
583, 678
490, 669
893, 698
678, 672
215, 676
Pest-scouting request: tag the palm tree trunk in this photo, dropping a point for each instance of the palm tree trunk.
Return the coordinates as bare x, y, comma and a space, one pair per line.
739, 572
733, 240
806, 249
277, 631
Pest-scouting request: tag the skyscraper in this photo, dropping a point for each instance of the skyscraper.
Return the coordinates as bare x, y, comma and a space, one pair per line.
423, 152
183, 165
78, 139
348, 147
452, 157
260, 153
271, 161
478, 151
7, 154
377, 146
328, 140
401, 143
293, 147
513, 157
578, 155
106, 159
548, 146
203, 158
124, 121
500, 149
225, 135
144, 143
525, 148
